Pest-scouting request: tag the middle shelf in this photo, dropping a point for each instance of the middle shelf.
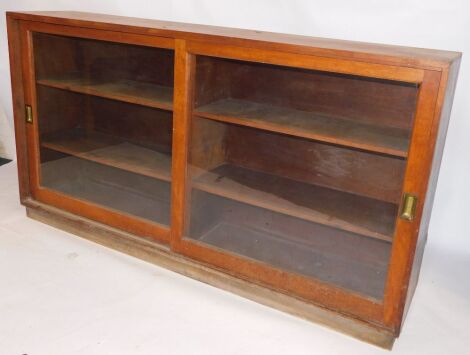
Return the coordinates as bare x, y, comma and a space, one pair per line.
358, 214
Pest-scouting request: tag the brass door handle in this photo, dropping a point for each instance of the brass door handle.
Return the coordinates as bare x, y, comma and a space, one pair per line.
408, 209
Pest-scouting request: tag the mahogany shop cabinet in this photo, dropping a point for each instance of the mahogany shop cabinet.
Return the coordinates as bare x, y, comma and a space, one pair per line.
298, 172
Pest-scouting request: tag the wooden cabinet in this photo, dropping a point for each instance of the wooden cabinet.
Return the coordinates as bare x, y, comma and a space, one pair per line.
298, 172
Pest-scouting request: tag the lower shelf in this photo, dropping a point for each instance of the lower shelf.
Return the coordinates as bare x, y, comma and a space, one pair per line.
111, 151
112, 188
346, 211
294, 257
343, 259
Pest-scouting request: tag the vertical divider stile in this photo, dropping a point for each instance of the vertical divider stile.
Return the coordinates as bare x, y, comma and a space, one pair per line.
182, 102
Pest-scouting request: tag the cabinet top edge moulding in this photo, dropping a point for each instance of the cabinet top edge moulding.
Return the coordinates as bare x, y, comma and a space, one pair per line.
333, 48
295, 171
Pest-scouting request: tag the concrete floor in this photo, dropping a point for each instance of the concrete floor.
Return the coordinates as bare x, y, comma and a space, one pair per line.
61, 294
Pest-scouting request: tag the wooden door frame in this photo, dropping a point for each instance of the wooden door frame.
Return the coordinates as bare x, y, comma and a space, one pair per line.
416, 181
387, 313
123, 221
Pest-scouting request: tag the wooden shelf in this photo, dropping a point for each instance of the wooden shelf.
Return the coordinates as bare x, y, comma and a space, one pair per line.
330, 261
134, 92
111, 151
115, 189
349, 212
392, 141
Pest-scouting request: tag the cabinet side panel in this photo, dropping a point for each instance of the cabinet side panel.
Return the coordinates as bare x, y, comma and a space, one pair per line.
443, 111
14, 47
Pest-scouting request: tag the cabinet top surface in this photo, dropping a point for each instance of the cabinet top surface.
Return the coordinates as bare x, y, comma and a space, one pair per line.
360, 51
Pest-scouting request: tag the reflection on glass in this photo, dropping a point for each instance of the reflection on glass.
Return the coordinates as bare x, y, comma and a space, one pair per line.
105, 123
299, 170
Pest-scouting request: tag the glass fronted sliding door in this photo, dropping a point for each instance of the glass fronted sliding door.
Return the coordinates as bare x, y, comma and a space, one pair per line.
105, 123
299, 170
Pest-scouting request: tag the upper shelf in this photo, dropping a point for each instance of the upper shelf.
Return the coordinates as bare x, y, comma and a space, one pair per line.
386, 140
131, 91
111, 151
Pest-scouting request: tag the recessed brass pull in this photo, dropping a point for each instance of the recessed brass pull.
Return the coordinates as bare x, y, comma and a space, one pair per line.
408, 209
29, 114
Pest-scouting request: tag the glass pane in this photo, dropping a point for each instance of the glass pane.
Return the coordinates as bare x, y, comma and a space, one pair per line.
298, 169
105, 123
